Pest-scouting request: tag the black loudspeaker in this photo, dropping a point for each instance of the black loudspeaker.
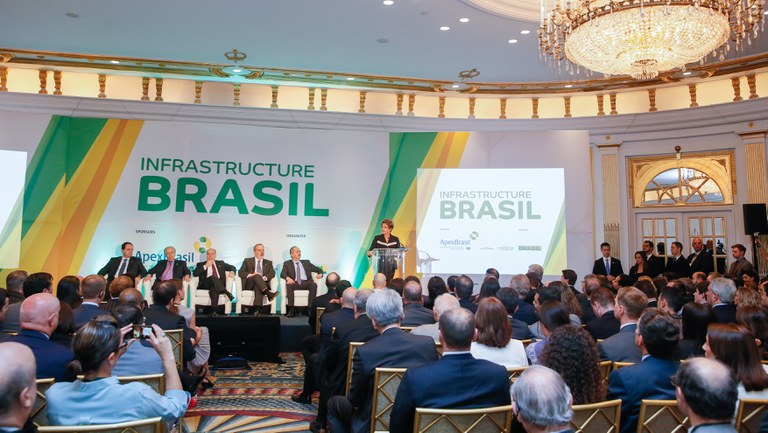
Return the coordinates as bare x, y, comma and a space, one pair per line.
755, 219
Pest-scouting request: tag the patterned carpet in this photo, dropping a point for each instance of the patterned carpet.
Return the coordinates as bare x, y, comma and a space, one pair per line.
258, 400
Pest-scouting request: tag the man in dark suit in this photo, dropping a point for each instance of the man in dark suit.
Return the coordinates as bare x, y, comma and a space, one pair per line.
415, 312
456, 381
335, 362
212, 275
677, 264
126, 264
606, 323
720, 294
700, 259
654, 265
569, 278
17, 386
39, 282
298, 276
541, 401
464, 288
393, 348
170, 268
707, 392
740, 264
93, 287
158, 314
39, 318
657, 337
630, 304
256, 273
331, 280
14, 283
525, 310
607, 265
510, 300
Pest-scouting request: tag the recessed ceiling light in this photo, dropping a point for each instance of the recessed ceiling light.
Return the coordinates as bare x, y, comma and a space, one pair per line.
455, 86
444, 28
388, 2
568, 86
237, 70
350, 78
687, 73
524, 32
463, 20
512, 41
114, 62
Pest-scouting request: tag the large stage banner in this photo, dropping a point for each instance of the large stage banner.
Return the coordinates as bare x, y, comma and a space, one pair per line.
90, 184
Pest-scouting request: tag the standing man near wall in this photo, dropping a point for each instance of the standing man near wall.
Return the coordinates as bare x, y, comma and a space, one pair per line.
126, 264
298, 276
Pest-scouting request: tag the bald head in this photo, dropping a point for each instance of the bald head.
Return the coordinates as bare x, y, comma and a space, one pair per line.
131, 296
40, 312
706, 390
412, 293
17, 384
348, 297
380, 281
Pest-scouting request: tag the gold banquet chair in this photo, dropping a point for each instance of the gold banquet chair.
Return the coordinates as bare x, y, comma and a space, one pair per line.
154, 381
407, 329
514, 372
177, 337
386, 381
481, 420
605, 368
749, 415
603, 417
661, 416
150, 425
318, 313
353, 345
617, 365
39, 413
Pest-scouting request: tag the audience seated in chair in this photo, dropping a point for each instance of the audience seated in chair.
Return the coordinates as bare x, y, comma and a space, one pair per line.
202, 337
93, 288
494, 336
606, 324
164, 294
65, 330
17, 387
116, 288
706, 393
553, 314
735, 346
512, 303
139, 358
39, 282
630, 304
572, 353
464, 288
4, 299
98, 398
414, 310
456, 381
541, 401
443, 303
68, 290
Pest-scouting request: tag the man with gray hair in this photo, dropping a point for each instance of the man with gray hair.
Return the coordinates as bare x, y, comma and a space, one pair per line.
415, 313
720, 296
443, 303
18, 389
542, 401
525, 310
470, 382
706, 392
538, 270
393, 348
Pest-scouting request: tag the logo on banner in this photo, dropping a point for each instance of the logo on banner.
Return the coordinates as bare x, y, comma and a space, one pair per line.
202, 244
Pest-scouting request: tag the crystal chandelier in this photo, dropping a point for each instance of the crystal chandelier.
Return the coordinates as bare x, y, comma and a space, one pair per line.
641, 38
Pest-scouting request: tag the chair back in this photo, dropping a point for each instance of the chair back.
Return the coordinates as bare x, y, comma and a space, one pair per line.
661, 416
603, 417
515, 372
605, 368
150, 425
617, 365
177, 345
526, 342
353, 345
749, 415
154, 381
439, 349
385, 384
482, 420
39, 413
407, 329
318, 313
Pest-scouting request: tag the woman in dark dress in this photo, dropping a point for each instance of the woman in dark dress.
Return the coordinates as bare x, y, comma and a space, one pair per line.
638, 270
387, 265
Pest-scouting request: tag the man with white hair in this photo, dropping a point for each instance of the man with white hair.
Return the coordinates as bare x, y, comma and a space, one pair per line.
720, 296
39, 317
537, 269
443, 303
542, 401
393, 348
18, 390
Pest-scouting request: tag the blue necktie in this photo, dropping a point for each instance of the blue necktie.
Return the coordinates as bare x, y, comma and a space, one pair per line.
607, 267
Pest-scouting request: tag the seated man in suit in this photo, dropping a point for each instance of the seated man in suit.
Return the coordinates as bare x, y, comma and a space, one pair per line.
464, 288
331, 280
456, 381
256, 273
630, 304
415, 312
511, 303
163, 296
656, 336
700, 259
298, 276
677, 264
525, 310
720, 295
93, 287
393, 348
541, 401
212, 276
39, 318
606, 323
607, 265
126, 264
17, 386
443, 303
706, 391
170, 268
115, 289
14, 283
39, 282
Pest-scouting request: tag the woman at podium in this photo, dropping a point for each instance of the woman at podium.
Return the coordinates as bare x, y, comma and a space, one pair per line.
387, 264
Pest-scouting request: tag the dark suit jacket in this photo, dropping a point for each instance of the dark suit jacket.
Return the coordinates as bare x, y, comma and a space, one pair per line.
417, 314
330, 321
135, 268
160, 316
604, 326
599, 267
85, 312
468, 304
649, 379
221, 268
526, 313
520, 329
180, 269
290, 271
249, 267
455, 381
654, 265
725, 313
319, 301
587, 314
620, 347
335, 361
702, 263
393, 348
678, 266
52, 358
